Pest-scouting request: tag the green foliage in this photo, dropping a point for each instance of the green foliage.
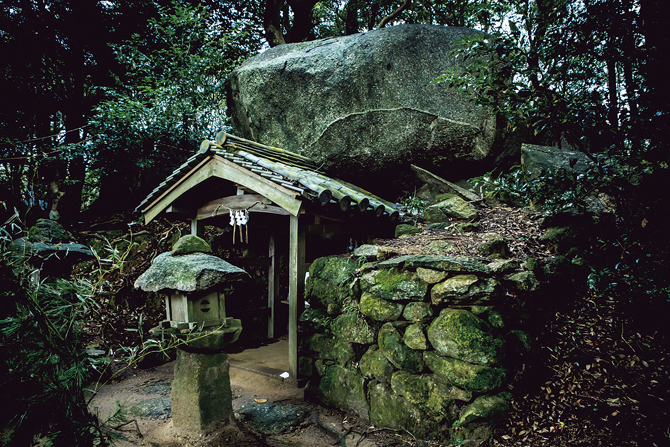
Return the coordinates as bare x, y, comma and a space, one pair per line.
43, 363
552, 192
414, 206
169, 97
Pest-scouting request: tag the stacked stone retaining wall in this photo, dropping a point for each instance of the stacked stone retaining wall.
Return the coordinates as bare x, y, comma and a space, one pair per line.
423, 344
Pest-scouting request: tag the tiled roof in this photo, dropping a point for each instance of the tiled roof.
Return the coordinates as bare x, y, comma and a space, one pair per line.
292, 171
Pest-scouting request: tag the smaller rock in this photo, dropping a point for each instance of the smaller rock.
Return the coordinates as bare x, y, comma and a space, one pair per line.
524, 281
395, 284
478, 378
48, 231
495, 319
190, 244
406, 229
445, 196
504, 266
343, 351
385, 253
495, 246
353, 328
439, 247
380, 309
369, 252
433, 214
415, 337
417, 311
403, 357
458, 208
375, 365
156, 408
431, 276
271, 418
486, 407
464, 289
467, 227
531, 264
437, 226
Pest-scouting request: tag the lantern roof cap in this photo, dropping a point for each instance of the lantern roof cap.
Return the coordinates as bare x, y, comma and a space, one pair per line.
187, 273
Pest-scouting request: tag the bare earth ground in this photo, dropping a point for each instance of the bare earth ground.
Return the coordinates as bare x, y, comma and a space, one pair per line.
137, 385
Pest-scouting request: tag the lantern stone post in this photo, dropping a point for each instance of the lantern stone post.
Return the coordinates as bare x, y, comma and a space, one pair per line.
194, 284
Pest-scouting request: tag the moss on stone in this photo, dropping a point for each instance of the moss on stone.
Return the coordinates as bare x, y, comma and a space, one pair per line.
417, 311
47, 230
472, 377
324, 294
427, 391
415, 337
406, 229
431, 276
345, 389
336, 270
459, 334
323, 346
439, 247
458, 208
353, 328
403, 357
437, 262
464, 289
445, 196
375, 365
486, 407
390, 410
394, 284
494, 246
190, 244
380, 309
495, 319
343, 352
524, 281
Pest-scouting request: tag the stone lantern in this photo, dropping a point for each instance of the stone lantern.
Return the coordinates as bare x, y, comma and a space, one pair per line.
195, 284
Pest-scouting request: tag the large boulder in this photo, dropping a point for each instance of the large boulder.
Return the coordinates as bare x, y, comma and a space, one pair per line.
363, 104
536, 159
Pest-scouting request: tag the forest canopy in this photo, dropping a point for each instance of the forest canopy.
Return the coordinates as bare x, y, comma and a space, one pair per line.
103, 99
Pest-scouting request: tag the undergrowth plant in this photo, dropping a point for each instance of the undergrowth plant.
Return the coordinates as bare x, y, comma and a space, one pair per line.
626, 258
43, 361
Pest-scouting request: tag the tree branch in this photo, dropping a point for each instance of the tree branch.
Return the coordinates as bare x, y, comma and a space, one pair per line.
394, 14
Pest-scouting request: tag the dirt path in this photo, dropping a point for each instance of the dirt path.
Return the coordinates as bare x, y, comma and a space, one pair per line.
144, 394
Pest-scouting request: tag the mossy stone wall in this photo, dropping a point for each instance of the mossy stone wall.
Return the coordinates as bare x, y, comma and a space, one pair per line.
425, 344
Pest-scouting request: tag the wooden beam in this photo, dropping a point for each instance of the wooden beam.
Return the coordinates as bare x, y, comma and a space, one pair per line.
293, 299
283, 197
442, 185
239, 202
217, 166
197, 175
271, 288
176, 185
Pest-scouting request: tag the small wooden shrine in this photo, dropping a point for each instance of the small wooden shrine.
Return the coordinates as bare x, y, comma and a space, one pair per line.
231, 180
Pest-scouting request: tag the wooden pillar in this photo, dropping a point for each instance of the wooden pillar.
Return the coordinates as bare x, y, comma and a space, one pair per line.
293, 298
296, 285
197, 228
271, 288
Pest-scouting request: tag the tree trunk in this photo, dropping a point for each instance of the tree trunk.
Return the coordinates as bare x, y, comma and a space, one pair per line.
351, 19
303, 21
272, 23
